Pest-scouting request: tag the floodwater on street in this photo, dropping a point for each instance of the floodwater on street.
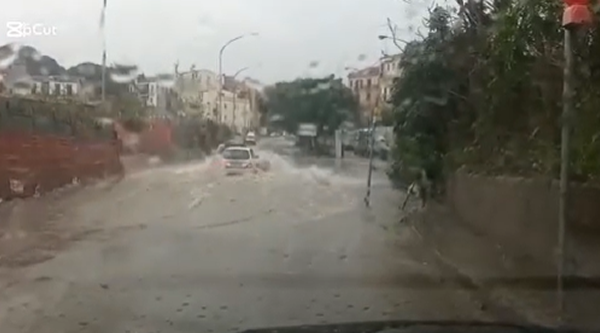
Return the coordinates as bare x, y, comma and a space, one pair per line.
185, 249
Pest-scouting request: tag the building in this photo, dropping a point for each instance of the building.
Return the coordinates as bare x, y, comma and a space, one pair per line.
57, 86
365, 86
17, 81
193, 89
199, 92
152, 93
390, 70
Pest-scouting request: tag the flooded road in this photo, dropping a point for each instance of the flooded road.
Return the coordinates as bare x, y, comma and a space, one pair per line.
185, 249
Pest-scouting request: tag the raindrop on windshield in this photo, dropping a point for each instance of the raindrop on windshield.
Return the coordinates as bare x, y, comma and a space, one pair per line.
86, 69
165, 80
8, 54
123, 73
362, 57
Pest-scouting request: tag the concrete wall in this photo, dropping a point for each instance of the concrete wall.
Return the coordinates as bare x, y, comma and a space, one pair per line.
32, 163
522, 216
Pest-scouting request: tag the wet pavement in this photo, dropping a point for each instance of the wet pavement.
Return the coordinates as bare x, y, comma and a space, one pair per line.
185, 249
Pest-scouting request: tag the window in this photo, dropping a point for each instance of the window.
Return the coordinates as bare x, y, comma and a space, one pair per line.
57, 89
368, 96
236, 154
69, 89
369, 83
34, 88
361, 83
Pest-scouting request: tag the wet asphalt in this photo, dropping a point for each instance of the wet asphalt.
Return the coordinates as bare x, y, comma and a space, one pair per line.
185, 249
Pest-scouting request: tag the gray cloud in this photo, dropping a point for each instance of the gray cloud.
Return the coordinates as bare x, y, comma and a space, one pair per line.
156, 33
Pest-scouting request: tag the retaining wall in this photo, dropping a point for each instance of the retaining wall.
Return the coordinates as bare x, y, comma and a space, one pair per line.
522, 216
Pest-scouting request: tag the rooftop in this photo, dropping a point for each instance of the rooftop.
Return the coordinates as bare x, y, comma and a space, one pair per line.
365, 72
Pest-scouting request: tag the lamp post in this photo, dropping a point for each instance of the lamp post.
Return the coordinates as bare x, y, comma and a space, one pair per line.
576, 15
372, 142
220, 100
235, 93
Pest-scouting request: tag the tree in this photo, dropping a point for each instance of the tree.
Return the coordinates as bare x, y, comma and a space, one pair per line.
482, 90
325, 102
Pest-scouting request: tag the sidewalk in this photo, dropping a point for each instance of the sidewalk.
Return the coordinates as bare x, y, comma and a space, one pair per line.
512, 282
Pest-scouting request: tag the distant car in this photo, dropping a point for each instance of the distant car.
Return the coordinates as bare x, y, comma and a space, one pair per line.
250, 138
242, 160
228, 144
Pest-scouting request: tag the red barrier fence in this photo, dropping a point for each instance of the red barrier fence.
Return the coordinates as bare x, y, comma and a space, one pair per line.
32, 163
154, 140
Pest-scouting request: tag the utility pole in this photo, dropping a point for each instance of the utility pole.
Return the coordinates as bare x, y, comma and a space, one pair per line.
235, 92
575, 16
102, 22
372, 137
565, 144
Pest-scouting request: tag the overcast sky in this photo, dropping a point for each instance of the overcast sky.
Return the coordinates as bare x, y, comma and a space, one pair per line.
154, 34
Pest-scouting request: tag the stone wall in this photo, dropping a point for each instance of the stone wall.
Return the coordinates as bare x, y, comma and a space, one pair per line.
522, 216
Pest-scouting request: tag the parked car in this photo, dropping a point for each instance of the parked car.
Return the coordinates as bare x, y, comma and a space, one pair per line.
242, 160
349, 140
381, 148
361, 145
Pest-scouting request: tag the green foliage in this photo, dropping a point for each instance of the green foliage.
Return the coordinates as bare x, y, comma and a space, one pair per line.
325, 102
483, 90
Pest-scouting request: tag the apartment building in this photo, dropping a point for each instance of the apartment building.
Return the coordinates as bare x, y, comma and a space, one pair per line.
366, 87
151, 92
390, 70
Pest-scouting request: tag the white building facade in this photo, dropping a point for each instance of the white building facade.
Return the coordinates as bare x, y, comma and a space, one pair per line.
390, 70
151, 92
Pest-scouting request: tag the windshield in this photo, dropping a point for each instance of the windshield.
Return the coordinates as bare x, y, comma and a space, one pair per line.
236, 154
216, 166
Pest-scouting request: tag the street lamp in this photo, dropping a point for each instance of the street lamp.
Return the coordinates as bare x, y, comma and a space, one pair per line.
235, 93
576, 15
221, 66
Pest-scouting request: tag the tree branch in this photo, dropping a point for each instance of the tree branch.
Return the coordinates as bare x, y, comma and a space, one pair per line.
395, 39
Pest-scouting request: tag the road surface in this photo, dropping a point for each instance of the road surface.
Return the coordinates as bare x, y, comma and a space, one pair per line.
183, 249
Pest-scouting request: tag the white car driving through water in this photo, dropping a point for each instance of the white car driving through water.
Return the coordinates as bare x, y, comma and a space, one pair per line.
241, 160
